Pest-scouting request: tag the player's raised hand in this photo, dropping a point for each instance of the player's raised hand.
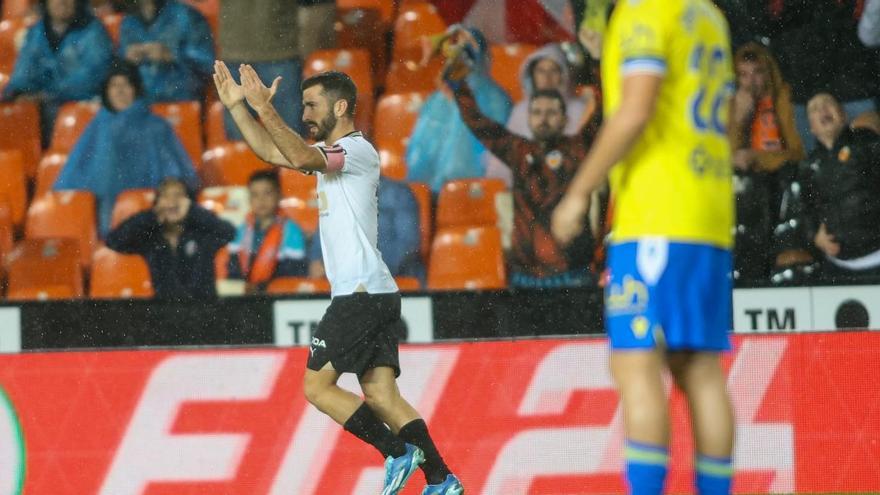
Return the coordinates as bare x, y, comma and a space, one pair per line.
568, 218
255, 92
230, 92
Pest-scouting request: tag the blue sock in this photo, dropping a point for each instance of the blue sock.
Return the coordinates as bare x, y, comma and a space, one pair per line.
713, 475
646, 467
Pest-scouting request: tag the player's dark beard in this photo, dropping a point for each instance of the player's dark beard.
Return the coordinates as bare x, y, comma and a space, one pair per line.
323, 128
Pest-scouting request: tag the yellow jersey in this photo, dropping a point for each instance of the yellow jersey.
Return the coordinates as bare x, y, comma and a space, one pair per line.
675, 182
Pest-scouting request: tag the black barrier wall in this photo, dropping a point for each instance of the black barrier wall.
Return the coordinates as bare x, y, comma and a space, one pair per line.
250, 320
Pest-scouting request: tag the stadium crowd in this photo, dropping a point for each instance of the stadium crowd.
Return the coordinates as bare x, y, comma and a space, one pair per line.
113, 143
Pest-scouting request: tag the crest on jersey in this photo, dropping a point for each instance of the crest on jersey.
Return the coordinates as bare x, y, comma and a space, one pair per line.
190, 247
553, 159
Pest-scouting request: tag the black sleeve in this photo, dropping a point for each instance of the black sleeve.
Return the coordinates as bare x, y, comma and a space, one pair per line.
809, 214
215, 231
135, 235
874, 153
590, 128
494, 136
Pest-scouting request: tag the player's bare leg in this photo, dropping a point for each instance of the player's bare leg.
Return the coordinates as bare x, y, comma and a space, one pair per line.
347, 409
322, 392
383, 396
700, 376
639, 378
638, 375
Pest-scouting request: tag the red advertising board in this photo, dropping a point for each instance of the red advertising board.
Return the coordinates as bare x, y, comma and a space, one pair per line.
523, 417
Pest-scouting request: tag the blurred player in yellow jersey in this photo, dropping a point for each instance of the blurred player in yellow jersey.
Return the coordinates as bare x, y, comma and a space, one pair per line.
667, 79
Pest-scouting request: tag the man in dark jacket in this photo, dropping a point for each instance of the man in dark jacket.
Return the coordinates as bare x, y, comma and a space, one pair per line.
840, 183
542, 169
818, 49
178, 240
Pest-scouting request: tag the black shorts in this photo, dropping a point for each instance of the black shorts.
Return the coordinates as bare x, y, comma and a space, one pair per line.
358, 332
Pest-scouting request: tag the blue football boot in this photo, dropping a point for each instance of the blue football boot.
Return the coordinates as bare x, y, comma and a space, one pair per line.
399, 469
450, 486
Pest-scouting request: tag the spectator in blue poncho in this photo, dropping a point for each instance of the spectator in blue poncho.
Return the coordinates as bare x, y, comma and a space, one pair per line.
441, 147
65, 57
172, 46
124, 147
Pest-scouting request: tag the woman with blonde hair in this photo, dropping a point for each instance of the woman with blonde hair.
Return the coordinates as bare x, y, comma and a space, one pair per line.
762, 130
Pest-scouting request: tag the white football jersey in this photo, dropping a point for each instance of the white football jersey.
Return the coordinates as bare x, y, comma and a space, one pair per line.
349, 216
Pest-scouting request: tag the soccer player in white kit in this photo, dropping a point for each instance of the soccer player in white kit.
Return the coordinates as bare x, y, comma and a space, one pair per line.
359, 332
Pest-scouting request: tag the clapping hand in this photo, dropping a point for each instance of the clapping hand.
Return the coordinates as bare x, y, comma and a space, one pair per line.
228, 90
255, 92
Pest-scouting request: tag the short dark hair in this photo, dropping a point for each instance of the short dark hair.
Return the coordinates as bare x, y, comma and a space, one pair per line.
270, 176
128, 70
82, 12
173, 180
337, 86
549, 93
534, 64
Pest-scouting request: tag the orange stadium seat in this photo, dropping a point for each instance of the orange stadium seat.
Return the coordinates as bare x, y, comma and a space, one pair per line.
423, 196
303, 212
221, 264
215, 132
186, 119
386, 8
129, 202
12, 32
363, 27
119, 276
7, 229
392, 163
298, 285
230, 164
415, 20
44, 269
211, 10
408, 284
298, 184
396, 116
112, 22
12, 183
72, 120
356, 63
20, 130
47, 172
18, 8
506, 59
467, 258
70, 214
406, 75
4, 80
300, 202
468, 202
230, 203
